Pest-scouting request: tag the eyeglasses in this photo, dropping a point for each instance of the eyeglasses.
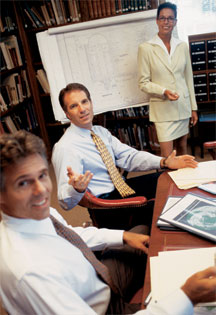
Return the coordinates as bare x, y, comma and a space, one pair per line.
169, 19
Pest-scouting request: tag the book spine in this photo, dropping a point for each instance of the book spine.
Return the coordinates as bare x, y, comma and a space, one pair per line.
59, 11
113, 8
103, 8
7, 56
76, 8
63, 11
33, 16
46, 15
55, 12
50, 12
108, 7
90, 9
95, 8
99, 9
30, 18
84, 10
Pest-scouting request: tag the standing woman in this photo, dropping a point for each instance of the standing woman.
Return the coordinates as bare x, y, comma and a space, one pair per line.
165, 73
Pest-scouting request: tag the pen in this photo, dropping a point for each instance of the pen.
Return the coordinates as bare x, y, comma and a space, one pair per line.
148, 299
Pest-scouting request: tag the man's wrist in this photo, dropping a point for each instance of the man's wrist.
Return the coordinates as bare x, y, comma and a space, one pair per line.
163, 163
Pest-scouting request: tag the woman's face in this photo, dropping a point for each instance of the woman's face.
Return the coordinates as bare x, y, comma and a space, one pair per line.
166, 22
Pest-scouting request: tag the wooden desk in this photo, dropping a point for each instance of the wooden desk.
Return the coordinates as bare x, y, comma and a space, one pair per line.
168, 240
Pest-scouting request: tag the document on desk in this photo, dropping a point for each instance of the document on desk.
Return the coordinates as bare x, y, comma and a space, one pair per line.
169, 203
170, 269
194, 214
209, 187
186, 178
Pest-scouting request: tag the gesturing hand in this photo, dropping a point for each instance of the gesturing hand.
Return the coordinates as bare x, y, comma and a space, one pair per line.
201, 287
181, 161
138, 241
79, 181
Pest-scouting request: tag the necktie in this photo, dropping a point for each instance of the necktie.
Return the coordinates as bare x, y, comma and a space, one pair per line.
77, 241
116, 178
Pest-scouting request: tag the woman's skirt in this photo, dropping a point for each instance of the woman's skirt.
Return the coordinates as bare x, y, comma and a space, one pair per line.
171, 130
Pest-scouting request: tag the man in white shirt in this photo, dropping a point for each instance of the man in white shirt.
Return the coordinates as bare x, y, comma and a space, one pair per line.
43, 273
76, 156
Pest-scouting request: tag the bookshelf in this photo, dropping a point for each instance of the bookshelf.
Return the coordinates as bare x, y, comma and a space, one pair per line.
31, 17
203, 58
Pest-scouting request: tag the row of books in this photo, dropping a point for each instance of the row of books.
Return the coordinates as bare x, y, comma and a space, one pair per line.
50, 12
56, 12
139, 136
93, 9
24, 118
130, 112
10, 53
14, 89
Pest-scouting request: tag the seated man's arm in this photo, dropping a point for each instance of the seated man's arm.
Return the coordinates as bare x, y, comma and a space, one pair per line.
68, 196
40, 294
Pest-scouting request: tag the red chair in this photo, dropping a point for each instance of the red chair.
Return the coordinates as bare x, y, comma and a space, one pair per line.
211, 147
114, 214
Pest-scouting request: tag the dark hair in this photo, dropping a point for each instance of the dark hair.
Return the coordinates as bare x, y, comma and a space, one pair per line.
18, 145
167, 5
72, 87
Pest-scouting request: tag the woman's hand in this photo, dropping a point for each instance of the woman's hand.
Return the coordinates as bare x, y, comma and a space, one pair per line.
194, 118
170, 95
79, 181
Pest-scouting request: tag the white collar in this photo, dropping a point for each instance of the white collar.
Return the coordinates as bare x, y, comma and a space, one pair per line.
30, 226
158, 41
80, 131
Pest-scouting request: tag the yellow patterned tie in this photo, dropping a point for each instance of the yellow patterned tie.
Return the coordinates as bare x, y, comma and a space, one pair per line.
117, 180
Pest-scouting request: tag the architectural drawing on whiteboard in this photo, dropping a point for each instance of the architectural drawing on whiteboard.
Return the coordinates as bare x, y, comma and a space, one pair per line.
99, 60
103, 58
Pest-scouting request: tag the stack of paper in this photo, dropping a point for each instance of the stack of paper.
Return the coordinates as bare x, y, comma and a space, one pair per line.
186, 178
194, 214
170, 269
163, 225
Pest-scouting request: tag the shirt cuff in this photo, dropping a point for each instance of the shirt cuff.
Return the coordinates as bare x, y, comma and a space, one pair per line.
68, 203
176, 303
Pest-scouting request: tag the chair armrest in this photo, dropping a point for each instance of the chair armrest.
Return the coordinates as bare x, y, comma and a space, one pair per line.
210, 145
91, 202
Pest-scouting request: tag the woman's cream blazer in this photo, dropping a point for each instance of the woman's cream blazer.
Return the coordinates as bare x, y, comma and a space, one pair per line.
156, 74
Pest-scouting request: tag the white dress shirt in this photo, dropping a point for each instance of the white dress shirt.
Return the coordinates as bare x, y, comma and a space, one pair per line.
42, 273
174, 42
77, 149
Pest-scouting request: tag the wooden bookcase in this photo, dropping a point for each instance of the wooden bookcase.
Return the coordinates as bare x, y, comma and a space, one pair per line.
28, 26
203, 58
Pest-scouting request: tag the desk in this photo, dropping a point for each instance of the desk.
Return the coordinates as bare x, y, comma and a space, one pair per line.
168, 240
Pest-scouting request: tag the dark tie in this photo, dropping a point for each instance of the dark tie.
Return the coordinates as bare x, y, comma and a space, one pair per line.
116, 178
77, 241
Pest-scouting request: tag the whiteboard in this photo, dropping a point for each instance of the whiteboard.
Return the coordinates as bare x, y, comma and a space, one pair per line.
102, 55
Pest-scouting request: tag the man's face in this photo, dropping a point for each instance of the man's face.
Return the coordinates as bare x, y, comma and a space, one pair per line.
27, 189
79, 109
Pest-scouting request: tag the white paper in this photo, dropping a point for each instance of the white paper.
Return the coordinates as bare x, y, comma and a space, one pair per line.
186, 178
171, 269
170, 202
